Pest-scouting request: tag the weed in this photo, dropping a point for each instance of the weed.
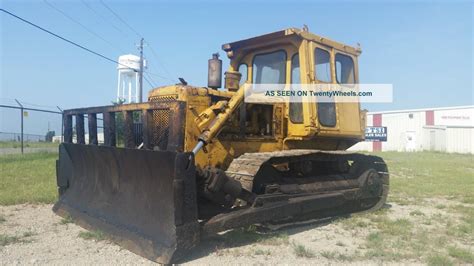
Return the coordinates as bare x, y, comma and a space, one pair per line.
302, 251
468, 200
28, 234
96, 235
417, 213
67, 220
462, 254
262, 252
438, 260
345, 257
2, 219
276, 240
427, 222
242, 236
374, 240
8, 240
328, 254
398, 227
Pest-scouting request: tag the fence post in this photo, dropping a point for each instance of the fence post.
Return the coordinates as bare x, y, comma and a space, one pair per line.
21, 113
62, 123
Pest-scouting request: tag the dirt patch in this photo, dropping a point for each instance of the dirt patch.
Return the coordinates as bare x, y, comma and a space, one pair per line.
41, 237
53, 241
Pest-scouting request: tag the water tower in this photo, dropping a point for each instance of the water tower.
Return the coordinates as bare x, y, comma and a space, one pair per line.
128, 90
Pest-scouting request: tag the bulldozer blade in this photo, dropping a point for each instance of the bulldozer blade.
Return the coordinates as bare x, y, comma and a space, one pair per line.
145, 201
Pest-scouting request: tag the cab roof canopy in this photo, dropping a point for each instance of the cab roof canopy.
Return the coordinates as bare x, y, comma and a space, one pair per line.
284, 35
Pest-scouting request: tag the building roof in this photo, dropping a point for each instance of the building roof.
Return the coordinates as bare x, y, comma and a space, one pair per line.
422, 110
302, 33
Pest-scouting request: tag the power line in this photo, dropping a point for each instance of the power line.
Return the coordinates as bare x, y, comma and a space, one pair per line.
81, 25
119, 18
64, 39
149, 83
139, 36
155, 55
151, 79
103, 17
160, 76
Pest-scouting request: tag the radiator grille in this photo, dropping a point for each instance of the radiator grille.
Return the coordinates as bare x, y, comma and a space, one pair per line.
169, 98
161, 123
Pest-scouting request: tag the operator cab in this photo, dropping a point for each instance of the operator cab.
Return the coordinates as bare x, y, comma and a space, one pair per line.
294, 56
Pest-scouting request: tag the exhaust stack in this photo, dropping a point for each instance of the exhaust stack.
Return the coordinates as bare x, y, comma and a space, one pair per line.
214, 72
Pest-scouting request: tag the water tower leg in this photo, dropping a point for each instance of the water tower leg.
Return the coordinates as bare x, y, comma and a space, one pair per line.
123, 86
136, 87
129, 90
118, 86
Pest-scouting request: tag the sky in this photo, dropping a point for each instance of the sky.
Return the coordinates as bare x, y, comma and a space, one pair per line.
425, 49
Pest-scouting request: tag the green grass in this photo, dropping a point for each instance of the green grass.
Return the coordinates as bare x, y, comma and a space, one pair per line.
414, 178
9, 240
67, 220
439, 260
33, 144
422, 174
302, 251
96, 235
262, 252
417, 213
28, 178
464, 255
329, 254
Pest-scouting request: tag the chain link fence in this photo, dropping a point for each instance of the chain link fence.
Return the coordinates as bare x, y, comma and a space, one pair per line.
27, 127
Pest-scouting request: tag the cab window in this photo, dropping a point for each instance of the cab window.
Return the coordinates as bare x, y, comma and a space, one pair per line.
322, 65
296, 105
326, 109
327, 114
344, 69
269, 68
243, 72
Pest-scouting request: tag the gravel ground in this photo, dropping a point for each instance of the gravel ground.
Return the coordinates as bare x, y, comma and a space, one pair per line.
45, 239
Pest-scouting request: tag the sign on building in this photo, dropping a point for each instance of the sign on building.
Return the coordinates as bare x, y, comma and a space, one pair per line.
376, 133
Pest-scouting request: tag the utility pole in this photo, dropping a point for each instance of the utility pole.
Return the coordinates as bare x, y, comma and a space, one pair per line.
140, 74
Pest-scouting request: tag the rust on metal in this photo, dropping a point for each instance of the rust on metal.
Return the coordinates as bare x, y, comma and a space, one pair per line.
128, 129
80, 134
67, 128
147, 126
118, 108
145, 200
109, 129
92, 123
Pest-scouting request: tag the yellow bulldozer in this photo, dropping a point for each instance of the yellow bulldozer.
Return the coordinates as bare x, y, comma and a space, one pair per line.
195, 161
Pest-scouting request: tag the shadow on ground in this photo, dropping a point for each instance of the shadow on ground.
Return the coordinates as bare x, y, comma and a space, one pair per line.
254, 234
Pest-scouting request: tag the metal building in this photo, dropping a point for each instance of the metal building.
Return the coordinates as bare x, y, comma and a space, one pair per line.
447, 129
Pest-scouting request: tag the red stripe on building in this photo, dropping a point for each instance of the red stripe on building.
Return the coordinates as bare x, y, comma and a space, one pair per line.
377, 122
429, 118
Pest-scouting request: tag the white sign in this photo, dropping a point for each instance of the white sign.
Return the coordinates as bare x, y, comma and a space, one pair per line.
455, 117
